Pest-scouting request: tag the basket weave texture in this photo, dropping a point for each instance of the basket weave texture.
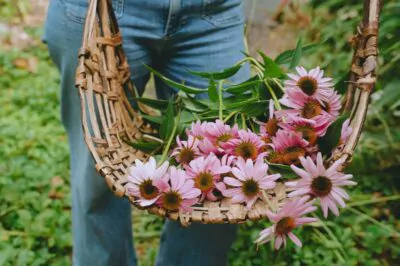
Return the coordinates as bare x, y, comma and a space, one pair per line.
103, 80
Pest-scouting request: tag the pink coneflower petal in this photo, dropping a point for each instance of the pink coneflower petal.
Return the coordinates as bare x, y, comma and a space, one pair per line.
299, 192
237, 198
322, 183
186, 151
346, 131
286, 220
206, 172
178, 191
341, 192
231, 192
219, 132
273, 217
288, 147
310, 83
323, 106
305, 220
278, 242
145, 203
295, 240
301, 172
233, 182
248, 145
271, 109
142, 180
250, 179
197, 130
286, 139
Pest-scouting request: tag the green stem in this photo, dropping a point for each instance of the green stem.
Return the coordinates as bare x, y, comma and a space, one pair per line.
324, 238
166, 149
259, 66
276, 101
221, 105
389, 65
372, 201
252, 126
254, 61
229, 116
244, 126
332, 235
278, 84
374, 221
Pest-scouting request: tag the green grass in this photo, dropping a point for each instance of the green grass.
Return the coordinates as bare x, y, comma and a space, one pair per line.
35, 210
35, 226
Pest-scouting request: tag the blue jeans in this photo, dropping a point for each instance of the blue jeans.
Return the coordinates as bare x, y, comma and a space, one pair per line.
171, 36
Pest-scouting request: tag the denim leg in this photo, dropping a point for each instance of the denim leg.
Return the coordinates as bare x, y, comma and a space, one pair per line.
101, 222
207, 42
211, 42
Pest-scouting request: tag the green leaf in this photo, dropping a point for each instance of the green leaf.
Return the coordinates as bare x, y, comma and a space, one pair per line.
255, 109
240, 104
176, 85
297, 54
209, 104
224, 74
145, 146
209, 115
153, 119
390, 95
188, 117
272, 69
193, 105
282, 169
168, 123
340, 84
213, 91
245, 86
154, 103
265, 94
286, 56
331, 139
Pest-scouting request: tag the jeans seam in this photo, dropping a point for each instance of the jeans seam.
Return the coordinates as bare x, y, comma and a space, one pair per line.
118, 4
216, 22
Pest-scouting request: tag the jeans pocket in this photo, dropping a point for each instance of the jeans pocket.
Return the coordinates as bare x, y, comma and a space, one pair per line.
221, 13
76, 9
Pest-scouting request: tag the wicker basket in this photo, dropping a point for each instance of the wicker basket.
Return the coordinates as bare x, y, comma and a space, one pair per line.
103, 77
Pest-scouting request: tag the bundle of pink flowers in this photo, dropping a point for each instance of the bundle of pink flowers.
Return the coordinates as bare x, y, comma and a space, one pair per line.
218, 160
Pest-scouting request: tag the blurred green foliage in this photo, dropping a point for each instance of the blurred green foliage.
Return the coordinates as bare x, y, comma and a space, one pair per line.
35, 203
35, 217
368, 233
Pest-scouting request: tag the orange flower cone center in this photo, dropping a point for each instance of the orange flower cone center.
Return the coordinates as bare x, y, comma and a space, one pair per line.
186, 155
326, 107
291, 155
148, 190
204, 181
308, 85
250, 188
311, 109
321, 186
171, 200
272, 127
224, 137
247, 150
285, 225
308, 133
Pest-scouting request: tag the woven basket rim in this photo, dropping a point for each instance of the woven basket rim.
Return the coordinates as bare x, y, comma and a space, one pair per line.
107, 117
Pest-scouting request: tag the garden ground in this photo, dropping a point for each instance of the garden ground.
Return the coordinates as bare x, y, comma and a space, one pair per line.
35, 227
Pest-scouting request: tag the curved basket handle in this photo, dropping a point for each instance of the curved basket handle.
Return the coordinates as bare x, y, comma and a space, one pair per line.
103, 81
363, 73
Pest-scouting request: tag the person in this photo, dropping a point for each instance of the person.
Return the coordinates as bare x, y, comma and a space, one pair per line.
171, 36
